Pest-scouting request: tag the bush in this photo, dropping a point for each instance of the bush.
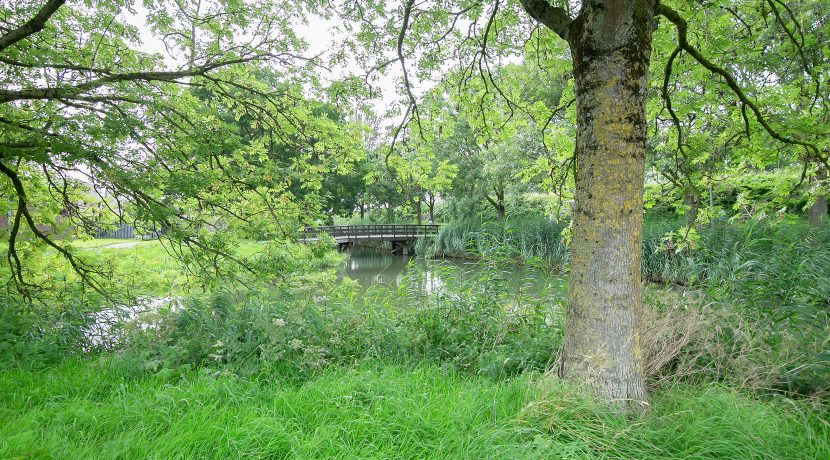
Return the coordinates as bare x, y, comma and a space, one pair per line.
769, 283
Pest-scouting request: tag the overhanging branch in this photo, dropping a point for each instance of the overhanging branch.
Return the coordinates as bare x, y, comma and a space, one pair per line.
32, 26
72, 92
554, 18
683, 43
86, 273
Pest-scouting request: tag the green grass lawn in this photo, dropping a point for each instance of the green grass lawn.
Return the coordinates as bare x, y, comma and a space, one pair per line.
109, 407
146, 268
96, 409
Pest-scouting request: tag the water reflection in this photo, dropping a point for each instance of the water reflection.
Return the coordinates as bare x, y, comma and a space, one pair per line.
370, 267
104, 329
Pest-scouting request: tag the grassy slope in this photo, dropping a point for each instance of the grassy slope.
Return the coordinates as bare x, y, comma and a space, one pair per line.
84, 409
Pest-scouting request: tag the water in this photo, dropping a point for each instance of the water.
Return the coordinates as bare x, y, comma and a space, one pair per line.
372, 267
104, 328
369, 267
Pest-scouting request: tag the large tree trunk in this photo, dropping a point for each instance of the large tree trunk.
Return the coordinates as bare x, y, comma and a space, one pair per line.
818, 211
610, 43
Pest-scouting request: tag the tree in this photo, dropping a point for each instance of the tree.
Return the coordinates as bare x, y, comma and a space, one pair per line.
478, 132
818, 210
700, 140
212, 143
610, 44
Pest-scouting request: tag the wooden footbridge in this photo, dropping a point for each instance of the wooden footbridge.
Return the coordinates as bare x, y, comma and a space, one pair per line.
402, 237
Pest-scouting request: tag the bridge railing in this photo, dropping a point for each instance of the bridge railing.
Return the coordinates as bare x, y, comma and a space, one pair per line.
368, 231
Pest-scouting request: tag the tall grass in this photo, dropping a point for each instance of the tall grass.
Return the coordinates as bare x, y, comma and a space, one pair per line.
776, 275
524, 238
100, 409
781, 270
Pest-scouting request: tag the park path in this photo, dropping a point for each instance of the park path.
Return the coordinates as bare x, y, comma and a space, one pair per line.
127, 244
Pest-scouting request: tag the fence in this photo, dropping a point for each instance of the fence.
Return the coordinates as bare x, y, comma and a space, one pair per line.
123, 231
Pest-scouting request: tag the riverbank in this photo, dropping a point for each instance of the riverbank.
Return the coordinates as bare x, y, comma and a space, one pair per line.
295, 372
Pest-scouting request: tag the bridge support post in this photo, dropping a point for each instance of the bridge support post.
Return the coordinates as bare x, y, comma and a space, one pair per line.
402, 248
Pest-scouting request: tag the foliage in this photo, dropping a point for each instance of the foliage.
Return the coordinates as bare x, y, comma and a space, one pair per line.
773, 275
69, 319
213, 143
770, 277
230, 138
478, 324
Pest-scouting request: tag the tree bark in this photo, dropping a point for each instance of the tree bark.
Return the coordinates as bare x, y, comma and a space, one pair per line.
498, 203
431, 207
692, 204
610, 43
32, 26
818, 210
500, 208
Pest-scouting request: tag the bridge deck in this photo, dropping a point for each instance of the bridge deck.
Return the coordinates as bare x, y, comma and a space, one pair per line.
357, 233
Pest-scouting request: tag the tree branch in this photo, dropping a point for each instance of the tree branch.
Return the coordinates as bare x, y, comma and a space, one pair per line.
667, 98
85, 272
553, 17
401, 36
32, 26
683, 43
69, 92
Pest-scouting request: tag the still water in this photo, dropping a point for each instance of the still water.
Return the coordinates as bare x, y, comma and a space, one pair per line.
374, 267
371, 267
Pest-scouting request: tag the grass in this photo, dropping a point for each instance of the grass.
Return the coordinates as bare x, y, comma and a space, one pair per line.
774, 273
529, 238
147, 269
100, 243
101, 409
396, 372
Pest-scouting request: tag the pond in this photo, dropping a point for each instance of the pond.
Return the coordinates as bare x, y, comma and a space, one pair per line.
370, 266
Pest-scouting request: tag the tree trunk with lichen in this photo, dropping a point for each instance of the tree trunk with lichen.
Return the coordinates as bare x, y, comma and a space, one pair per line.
818, 211
610, 43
